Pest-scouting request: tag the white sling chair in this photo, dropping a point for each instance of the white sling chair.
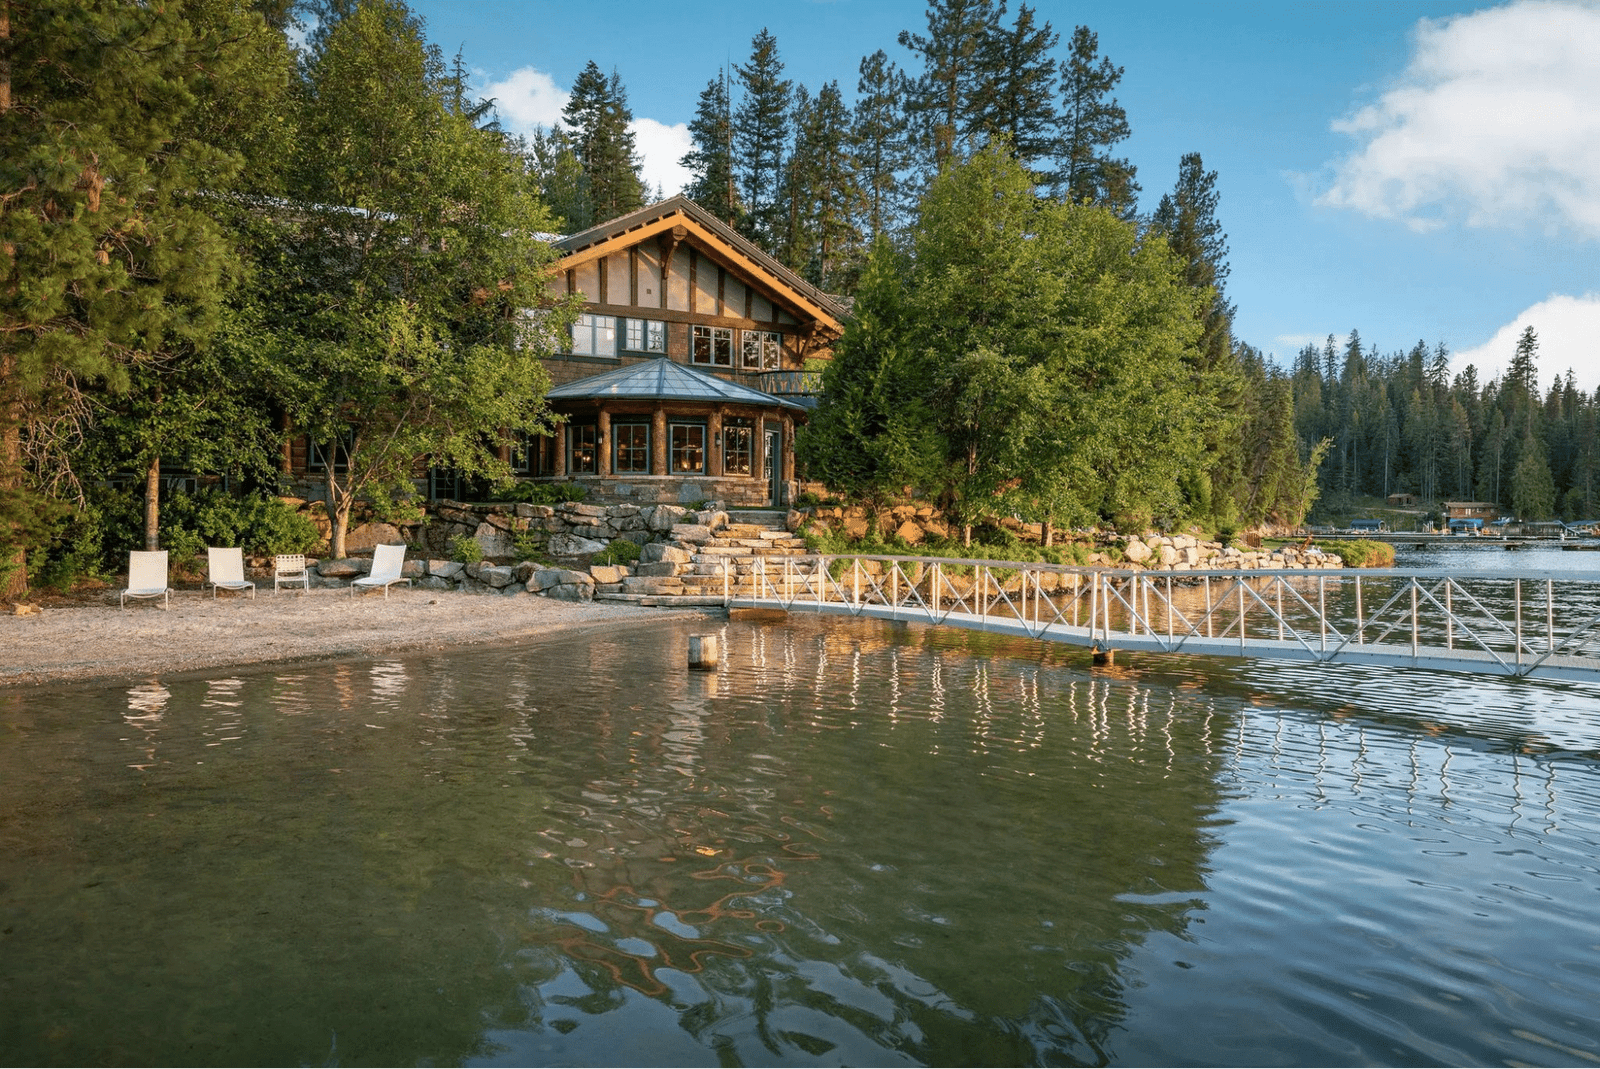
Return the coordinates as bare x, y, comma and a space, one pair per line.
289, 569
147, 577
225, 569
386, 564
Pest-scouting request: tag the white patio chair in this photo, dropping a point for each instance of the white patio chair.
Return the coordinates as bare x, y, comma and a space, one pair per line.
386, 564
289, 569
147, 577
225, 570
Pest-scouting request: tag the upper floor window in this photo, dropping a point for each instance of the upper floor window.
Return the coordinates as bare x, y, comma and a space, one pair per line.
761, 350
712, 345
594, 335
647, 336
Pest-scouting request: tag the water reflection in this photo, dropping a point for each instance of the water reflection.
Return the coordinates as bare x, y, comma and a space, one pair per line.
855, 843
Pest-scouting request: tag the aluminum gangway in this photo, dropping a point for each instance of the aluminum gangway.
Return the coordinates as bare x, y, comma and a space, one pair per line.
1537, 624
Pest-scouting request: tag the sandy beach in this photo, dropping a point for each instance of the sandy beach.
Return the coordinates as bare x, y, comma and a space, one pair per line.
92, 638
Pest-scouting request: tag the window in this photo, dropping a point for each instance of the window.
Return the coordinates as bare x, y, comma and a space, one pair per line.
647, 336
594, 335
688, 447
713, 345
762, 350
524, 454
738, 446
316, 461
633, 448
581, 439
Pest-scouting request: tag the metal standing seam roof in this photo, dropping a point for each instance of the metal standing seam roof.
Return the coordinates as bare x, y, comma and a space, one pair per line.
663, 380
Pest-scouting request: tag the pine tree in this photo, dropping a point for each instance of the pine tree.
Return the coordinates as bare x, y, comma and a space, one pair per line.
955, 78
1091, 123
880, 136
1019, 103
822, 190
1187, 218
760, 138
109, 255
553, 164
598, 122
711, 158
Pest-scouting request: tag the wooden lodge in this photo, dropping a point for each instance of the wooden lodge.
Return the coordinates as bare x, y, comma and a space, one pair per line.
684, 379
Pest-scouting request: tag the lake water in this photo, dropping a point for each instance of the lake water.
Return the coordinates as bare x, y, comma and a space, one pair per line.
857, 843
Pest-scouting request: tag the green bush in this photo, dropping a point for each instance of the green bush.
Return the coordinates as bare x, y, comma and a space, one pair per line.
464, 549
1361, 553
271, 526
542, 493
620, 551
528, 546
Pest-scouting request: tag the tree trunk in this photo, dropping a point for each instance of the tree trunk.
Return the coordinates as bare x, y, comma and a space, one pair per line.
152, 504
13, 573
1048, 530
338, 508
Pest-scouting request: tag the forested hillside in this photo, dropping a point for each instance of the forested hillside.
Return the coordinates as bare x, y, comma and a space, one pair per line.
1402, 423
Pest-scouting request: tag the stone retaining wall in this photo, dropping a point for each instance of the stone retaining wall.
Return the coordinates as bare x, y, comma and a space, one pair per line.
684, 553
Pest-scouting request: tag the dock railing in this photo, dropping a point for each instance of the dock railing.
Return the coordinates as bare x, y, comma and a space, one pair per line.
1533, 624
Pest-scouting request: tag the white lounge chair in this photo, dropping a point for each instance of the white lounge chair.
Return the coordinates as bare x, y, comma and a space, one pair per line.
386, 564
147, 577
225, 570
289, 569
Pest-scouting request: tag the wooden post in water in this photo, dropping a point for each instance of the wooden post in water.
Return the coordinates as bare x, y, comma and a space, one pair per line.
703, 653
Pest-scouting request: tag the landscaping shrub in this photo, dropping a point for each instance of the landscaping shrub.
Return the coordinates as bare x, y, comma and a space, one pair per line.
543, 493
620, 551
1361, 553
464, 549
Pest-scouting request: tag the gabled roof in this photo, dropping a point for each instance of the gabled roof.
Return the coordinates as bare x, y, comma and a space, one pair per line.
662, 380
743, 255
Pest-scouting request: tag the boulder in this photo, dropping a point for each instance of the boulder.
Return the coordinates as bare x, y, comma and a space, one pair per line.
1168, 556
521, 570
572, 592
544, 578
372, 534
1136, 552
497, 576
909, 532
656, 552
608, 573
855, 526
493, 541
567, 545
414, 569
343, 568
446, 569
664, 517
660, 568
691, 532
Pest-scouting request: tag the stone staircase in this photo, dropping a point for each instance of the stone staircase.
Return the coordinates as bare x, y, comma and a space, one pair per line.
695, 569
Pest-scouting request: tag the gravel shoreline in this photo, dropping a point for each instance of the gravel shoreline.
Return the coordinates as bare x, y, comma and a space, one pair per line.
83, 641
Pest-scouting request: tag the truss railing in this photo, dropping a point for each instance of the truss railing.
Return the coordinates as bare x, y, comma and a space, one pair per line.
1532, 624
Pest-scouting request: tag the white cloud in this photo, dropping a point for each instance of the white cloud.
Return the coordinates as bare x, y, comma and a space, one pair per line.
1569, 337
662, 146
1495, 122
527, 98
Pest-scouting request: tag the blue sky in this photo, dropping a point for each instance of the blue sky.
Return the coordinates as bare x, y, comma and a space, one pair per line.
1412, 170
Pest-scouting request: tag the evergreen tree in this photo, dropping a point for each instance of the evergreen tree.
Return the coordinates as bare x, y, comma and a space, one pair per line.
1019, 103
599, 126
760, 137
711, 158
1187, 218
822, 192
955, 77
1091, 123
109, 255
553, 165
880, 136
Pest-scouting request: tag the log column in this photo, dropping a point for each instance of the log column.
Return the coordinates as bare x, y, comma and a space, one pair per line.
560, 466
659, 456
714, 446
602, 435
